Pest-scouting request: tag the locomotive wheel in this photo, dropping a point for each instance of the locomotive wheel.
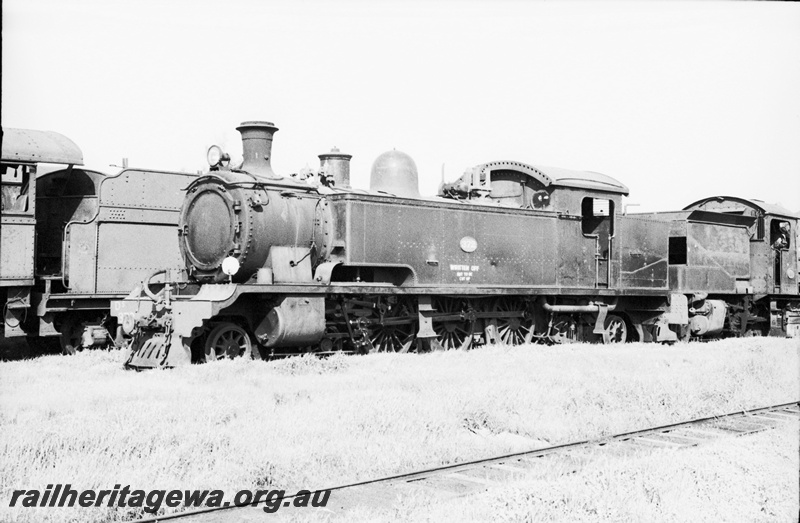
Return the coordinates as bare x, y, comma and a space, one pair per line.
615, 330
564, 330
514, 329
452, 334
336, 336
395, 333
228, 340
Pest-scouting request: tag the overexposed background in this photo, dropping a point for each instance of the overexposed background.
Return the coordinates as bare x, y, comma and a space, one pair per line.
677, 100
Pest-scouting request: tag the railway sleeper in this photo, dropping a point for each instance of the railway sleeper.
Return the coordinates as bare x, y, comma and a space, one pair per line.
466, 478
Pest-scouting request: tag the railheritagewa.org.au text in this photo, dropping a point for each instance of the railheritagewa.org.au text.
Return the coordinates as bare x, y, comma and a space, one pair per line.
151, 501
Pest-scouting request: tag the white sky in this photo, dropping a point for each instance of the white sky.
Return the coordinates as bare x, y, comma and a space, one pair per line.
677, 100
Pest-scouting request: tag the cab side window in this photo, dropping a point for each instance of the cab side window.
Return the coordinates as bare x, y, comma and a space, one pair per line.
780, 234
15, 188
597, 217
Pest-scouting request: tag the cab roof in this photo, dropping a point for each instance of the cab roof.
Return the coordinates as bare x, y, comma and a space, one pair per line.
560, 177
735, 205
31, 146
584, 180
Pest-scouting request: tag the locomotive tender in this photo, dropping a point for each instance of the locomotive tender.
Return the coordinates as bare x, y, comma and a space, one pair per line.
509, 253
72, 239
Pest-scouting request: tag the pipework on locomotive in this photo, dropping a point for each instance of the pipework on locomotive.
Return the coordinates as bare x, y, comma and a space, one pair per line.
508, 253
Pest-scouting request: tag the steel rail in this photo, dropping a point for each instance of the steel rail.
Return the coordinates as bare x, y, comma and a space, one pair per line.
466, 465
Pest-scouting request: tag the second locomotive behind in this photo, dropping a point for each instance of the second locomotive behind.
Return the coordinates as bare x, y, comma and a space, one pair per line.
509, 253
71, 239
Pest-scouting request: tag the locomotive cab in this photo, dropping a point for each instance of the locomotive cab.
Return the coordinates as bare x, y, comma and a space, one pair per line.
766, 299
586, 205
72, 238
773, 245
65, 196
22, 152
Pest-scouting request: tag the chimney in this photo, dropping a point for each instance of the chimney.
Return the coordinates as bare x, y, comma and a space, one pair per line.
337, 165
257, 148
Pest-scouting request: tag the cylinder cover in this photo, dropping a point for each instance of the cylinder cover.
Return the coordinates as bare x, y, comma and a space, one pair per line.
294, 322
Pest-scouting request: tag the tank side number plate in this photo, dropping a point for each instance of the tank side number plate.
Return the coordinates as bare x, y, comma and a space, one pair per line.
468, 244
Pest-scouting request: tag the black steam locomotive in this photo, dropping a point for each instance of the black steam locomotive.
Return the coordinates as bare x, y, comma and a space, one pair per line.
73, 239
509, 253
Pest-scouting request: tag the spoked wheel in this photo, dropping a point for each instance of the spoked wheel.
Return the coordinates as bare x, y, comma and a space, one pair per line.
452, 332
228, 340
393, 330
337, 337
615, 330
514, 327
564, 330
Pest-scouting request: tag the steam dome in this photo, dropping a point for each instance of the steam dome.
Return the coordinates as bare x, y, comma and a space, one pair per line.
395, 172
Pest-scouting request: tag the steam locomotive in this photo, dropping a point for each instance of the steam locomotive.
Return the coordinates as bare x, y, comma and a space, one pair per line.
508, 253
72, 238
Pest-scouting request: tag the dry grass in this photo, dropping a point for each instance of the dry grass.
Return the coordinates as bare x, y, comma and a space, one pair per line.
312, 423
749, 479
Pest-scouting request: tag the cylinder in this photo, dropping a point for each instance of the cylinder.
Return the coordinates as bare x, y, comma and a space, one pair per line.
257, 148
295, 322
337, 165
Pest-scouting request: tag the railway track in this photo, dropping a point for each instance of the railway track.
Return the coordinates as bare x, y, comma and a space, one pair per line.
471, 476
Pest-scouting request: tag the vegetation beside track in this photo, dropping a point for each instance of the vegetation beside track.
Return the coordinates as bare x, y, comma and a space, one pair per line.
750, 479
310, 423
